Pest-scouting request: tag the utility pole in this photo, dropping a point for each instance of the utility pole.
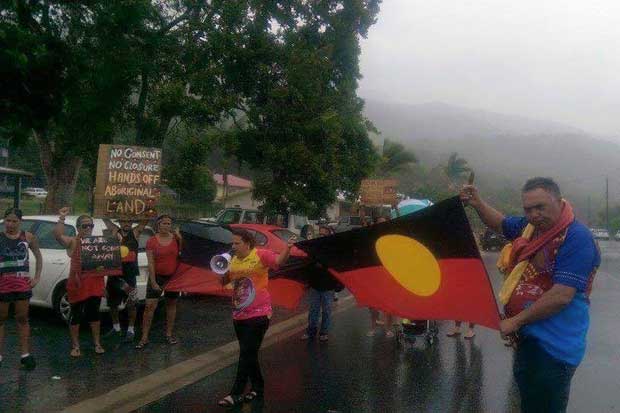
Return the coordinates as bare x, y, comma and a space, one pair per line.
607, 201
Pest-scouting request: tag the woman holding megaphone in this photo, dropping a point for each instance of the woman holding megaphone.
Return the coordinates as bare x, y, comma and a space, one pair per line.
248, 271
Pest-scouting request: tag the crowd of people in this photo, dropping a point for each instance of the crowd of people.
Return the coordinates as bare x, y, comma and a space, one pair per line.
549, 267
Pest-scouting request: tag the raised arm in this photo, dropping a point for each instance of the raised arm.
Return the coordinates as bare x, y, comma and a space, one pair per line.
490, 216
285, 252
59, 230
111, 226
137, 231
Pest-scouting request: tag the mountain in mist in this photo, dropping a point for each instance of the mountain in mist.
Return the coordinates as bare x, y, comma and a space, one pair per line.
504, 150
440, 120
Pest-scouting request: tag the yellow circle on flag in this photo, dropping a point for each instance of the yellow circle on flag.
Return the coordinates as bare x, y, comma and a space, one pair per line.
124, 251
411, 264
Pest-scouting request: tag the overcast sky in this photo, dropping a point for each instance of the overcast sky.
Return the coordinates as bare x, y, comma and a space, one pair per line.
552, 60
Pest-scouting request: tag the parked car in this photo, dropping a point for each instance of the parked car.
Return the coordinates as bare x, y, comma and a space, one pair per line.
600, 233
236, 215
271, 237
491, 240
38, 193
349, 223
51, 291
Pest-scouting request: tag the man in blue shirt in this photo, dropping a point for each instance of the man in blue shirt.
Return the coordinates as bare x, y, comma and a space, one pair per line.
549, 304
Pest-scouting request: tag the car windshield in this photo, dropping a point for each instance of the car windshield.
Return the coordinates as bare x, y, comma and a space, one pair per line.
283, 234
230, 216
355, 221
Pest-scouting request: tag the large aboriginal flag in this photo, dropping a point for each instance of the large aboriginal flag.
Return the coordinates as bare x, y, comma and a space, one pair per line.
424, 265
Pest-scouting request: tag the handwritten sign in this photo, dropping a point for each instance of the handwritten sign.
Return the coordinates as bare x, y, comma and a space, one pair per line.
101, 256
128, 180
378, 191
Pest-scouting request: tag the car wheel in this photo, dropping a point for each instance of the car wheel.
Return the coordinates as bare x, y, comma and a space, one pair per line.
62, 307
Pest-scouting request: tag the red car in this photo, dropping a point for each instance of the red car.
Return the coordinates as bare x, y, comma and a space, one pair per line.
271, 237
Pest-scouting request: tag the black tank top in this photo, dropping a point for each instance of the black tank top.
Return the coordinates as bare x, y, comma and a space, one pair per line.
14, 255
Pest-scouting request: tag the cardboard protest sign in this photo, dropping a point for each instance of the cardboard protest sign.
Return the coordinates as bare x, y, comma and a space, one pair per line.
100, 256
377, 192
128, 180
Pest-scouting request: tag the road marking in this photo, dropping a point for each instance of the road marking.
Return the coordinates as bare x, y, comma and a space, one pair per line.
148, 389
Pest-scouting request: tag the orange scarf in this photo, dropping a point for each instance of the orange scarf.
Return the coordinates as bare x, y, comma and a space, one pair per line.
523, 248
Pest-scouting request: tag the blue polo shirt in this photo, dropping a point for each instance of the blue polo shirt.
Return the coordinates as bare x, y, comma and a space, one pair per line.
563, 335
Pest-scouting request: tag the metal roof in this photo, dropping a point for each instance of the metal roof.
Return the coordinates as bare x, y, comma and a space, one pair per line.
12, 171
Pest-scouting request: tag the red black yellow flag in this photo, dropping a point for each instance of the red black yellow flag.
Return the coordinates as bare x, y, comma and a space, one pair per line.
424, 265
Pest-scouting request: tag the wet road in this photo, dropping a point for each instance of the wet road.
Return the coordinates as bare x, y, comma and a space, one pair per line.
203, 323
355, 373
351, 373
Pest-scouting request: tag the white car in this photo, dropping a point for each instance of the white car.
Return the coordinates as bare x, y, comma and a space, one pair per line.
39, 193
51, 291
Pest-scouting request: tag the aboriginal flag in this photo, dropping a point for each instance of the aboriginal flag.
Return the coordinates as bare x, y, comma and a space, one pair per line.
424, 265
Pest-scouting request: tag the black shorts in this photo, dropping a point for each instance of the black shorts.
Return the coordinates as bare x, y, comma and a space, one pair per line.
115, 293
162, 280
15, 296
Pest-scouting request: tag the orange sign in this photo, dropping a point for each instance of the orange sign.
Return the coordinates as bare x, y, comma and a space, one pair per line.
378, 191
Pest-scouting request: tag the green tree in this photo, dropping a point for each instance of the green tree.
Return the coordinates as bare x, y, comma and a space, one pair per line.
456, 168
66, 69
305, 131
77, 74
186, 171
394, 158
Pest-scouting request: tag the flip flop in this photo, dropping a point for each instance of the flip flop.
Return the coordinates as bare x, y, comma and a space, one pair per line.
141, 345
75, 352
99, 350
468, 337
453, 334
230, 401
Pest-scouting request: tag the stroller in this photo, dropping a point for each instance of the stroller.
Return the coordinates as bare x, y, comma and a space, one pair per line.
411, 330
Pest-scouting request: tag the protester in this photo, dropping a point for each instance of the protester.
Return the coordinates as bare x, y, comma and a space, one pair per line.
15, 282
456, 330
162, 253
84, 290
375, 315
124, 287
251, 309
550, 272
322, 289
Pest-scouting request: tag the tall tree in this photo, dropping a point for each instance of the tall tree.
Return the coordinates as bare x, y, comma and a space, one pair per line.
456, 168
84, 73
66, 69
394, 158
305, 129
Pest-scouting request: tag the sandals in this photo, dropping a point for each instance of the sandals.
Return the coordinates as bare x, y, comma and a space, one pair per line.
453, 333
141, 345
230, 401
99, 350
250, 396
469, 335
171, 340
75, 352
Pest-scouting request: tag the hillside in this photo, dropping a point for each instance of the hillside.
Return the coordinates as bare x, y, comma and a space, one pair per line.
504, 150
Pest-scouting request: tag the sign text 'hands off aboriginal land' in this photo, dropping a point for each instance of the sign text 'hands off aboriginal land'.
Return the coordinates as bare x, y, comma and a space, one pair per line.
128, 180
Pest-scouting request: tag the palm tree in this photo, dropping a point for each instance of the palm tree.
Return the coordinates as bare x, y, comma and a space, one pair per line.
394, 158
456, 168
